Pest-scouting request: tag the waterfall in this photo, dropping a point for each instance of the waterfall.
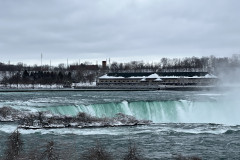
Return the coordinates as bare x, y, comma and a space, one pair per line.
160, 111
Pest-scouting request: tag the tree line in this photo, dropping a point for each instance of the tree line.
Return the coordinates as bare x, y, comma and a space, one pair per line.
207, 64
85, 72
40, 77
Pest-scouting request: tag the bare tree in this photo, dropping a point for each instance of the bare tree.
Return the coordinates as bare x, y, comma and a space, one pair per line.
49, 153
133, 153
14, 146
96, 153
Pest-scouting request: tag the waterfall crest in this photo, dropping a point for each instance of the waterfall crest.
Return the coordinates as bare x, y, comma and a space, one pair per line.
159, 111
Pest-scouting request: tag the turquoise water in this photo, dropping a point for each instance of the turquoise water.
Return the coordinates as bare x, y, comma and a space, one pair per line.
181, 111
205, 124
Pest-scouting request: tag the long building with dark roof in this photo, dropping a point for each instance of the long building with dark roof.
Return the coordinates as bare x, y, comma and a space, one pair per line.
156, 79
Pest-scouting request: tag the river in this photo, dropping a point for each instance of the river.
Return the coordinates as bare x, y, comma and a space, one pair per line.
205, 124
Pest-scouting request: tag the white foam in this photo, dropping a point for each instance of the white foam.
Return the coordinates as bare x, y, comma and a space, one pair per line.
76, 131
210, 94
8, 128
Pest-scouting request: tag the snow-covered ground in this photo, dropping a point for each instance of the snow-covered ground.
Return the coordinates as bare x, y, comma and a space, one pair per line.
30, 86
84, 84
41, 86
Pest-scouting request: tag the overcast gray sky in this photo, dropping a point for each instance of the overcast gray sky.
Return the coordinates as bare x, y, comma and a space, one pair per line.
123, 30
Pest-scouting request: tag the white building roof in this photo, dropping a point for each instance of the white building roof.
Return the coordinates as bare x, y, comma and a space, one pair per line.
144, 79
170, 77
210, 76
158, 79
206, 76
153, 76
109, 77
137, 77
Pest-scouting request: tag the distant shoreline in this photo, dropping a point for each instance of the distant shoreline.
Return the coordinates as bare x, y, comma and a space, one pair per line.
70, 90
170, 88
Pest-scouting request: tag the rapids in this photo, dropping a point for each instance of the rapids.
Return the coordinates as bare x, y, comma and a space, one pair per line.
204, 124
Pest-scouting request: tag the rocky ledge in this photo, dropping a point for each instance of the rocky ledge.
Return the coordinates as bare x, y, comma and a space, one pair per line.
47, 120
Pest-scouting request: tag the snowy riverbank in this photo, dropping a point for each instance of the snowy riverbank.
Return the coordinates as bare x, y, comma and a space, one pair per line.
45, 86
